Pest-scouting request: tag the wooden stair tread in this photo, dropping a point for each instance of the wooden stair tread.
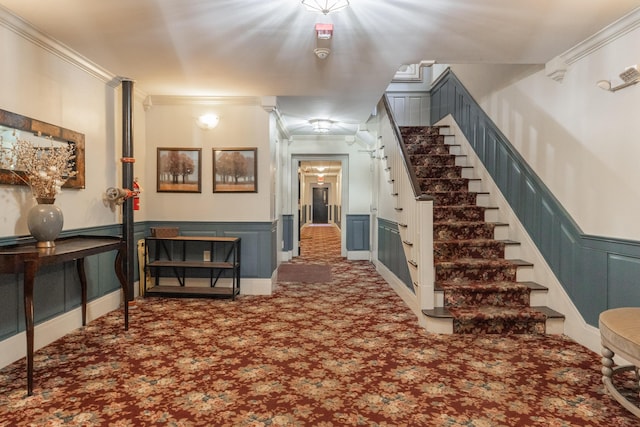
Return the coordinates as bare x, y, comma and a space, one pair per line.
481, 261
467, 223
444, 313
533, 286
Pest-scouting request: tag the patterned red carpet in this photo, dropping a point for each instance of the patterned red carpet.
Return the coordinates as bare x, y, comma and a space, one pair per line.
344, 353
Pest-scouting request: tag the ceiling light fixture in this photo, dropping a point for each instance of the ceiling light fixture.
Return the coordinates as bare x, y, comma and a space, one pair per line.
325, 6
321, 126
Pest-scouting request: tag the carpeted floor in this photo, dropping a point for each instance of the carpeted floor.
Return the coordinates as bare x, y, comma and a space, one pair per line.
304, 273
342, 353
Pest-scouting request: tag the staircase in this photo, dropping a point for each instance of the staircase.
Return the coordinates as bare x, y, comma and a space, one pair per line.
478, 289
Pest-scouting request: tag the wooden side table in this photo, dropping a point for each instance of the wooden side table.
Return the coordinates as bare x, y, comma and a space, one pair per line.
27, 259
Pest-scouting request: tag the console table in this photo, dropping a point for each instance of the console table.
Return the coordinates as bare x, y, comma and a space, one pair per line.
180, 257
27, 259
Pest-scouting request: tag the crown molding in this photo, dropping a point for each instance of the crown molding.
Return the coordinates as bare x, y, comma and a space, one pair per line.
558, 66
27, 31
204, 100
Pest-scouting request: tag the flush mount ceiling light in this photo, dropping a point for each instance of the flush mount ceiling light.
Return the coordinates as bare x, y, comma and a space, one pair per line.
208, 121
321, 126
325, 6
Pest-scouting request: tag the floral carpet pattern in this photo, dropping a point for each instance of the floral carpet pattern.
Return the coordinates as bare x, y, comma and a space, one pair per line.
480, 286
343, 353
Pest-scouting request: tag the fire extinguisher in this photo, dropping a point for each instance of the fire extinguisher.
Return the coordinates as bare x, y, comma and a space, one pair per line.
136, 194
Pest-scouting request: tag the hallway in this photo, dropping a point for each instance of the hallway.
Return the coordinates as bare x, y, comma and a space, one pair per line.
340, 352
319, 243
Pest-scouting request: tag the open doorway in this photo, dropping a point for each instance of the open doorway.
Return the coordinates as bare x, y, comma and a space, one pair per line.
321, 195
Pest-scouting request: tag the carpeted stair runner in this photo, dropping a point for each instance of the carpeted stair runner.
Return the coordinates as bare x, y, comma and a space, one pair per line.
480, 286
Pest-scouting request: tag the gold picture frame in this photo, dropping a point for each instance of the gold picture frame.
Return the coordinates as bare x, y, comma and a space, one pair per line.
179, 170
235, 170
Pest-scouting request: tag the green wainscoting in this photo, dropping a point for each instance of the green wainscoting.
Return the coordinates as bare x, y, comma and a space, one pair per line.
391, 251
598, 273
57, 288
358, 231
287, 232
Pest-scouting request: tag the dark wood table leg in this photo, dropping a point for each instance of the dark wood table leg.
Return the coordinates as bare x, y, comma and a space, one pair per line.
120, 259
83, 288
30, 269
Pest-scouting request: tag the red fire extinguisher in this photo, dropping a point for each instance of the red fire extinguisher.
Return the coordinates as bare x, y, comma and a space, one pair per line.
136, 195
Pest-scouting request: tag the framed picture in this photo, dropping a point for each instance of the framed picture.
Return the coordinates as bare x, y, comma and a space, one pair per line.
179, 170
235, 170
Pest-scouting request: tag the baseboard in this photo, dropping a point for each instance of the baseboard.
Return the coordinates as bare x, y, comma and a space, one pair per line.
284, 256
359, 255
15, 347
401, 289
256, 286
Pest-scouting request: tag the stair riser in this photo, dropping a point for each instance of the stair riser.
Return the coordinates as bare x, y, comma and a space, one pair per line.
467, 213
481, 273
475, 299
427, 149
451, 251
536, 297
461, 232
494, 326
444, 172
456, 184
440, 158
454, 199
433, 160
438, 325
421, 131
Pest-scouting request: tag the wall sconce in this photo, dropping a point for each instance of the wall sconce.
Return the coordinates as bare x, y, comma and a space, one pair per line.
629, 76
321, 126
208, 121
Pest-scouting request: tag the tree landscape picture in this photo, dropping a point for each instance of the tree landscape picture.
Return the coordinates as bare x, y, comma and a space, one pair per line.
235, 170
179, 170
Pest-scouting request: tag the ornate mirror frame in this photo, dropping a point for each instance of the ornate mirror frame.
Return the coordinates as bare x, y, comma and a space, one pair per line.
57, 133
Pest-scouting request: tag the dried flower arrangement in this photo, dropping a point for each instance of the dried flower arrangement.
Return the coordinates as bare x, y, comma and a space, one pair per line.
43, 168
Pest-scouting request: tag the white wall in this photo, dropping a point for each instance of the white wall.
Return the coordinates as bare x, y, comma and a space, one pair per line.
581, 141
40, 85
67, 91
173, 125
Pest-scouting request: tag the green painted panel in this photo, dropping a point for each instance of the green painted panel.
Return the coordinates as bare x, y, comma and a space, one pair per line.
358, 227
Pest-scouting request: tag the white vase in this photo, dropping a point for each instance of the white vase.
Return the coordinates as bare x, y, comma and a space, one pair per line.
45, 222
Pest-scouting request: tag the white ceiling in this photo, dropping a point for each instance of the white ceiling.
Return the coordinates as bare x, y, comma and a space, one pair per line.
219, 48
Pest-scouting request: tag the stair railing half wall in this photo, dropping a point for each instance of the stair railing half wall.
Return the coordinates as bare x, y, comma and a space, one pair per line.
596, 272
412, 210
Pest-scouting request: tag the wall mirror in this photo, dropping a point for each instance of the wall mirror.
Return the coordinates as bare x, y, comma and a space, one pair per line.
14, 126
